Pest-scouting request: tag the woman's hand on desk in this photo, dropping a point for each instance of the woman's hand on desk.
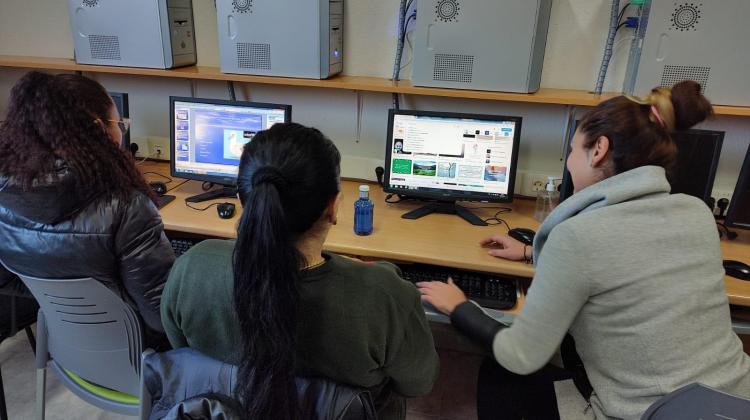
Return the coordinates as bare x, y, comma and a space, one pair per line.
503, 246
443, 296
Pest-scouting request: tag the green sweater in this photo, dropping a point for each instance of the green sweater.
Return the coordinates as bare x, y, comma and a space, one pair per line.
359, 323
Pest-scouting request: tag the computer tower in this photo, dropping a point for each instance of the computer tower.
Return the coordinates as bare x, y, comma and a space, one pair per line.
705, 41
135, 33
493, 45
290, 38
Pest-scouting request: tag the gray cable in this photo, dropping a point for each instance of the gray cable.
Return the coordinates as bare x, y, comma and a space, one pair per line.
608, 47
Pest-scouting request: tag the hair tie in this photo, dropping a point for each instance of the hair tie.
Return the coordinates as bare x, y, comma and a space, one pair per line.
270, 175
658, 116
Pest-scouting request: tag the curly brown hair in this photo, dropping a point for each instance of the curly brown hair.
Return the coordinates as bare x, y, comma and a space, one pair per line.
59, 117
637, 137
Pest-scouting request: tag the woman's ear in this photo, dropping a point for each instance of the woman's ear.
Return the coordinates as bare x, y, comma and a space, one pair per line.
598, 153
332, 210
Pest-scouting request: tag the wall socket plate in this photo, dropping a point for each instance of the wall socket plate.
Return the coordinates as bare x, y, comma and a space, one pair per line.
529, 183
154, 145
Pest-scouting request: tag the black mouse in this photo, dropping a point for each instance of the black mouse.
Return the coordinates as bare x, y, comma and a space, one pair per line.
159, 188
737, 269
524, 235
225, 210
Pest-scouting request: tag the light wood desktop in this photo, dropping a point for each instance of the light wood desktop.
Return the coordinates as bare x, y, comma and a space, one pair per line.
438, 239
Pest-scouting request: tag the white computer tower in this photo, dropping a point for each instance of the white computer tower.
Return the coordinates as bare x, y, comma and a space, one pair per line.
133, 33
290, 38
707, 41
495, 45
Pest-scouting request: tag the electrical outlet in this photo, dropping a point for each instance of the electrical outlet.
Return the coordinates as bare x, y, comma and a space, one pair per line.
534, 182
158, 148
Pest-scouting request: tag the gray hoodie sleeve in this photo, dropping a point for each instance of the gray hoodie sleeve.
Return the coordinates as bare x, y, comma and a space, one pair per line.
559, 290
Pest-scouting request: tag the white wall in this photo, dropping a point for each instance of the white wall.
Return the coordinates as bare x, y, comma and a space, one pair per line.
575, 40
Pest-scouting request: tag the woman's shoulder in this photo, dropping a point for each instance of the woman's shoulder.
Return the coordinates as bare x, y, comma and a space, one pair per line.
375, 278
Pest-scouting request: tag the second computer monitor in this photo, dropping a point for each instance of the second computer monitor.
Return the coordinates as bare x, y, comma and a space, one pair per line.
738, 215
449, 157
208, 135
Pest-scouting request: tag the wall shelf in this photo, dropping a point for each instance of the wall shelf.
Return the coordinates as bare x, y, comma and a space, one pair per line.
360, 83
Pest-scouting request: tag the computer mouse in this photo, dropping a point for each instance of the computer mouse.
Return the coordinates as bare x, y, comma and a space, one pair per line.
524, 235
225, 210
737, 269
159, 188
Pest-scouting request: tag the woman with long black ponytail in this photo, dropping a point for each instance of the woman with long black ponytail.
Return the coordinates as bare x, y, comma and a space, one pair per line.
277, 305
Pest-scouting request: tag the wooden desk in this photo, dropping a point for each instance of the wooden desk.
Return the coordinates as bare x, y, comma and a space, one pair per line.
438, 239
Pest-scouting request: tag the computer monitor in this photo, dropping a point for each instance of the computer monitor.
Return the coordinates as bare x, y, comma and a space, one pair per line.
121, 103
207, 137
698, 153
738, 215
449, 157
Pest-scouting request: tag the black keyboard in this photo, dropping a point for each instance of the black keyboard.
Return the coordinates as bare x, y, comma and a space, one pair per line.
181, 246
489, 291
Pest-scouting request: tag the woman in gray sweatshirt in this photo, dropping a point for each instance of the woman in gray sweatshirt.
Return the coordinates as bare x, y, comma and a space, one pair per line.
631, 272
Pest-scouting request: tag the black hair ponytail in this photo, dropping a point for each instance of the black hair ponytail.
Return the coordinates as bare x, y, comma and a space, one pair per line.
287, 177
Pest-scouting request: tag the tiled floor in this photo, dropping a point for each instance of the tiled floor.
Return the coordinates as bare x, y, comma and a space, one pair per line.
454, 394
453, 397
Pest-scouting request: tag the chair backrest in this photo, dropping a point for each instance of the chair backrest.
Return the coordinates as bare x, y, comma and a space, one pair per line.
90, 331
184, 379
698, 401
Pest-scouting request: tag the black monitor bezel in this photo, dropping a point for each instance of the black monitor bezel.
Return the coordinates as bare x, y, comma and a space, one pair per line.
742, 184
220, 180
428, 195
718, 145
124, 113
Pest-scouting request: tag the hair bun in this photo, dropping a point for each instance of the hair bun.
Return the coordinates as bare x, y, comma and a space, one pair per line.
690, 106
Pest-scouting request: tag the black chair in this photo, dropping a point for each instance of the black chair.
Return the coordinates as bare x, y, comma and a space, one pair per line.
18, 310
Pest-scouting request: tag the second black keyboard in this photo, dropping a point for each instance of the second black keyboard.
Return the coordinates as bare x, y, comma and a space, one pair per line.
489, 291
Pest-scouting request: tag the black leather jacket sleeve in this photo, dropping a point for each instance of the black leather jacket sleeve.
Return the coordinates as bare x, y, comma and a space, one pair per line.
474, 323
145, 257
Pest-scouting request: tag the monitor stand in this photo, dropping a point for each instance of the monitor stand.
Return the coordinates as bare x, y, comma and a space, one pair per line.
230, 192
448, 208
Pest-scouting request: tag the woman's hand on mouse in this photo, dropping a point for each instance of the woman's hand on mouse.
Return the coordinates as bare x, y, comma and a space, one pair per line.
507, 247
443, 296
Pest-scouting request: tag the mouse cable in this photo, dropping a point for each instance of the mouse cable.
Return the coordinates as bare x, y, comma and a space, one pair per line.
494, 221
179, 185
400, 198
730, 235
201, 208
158, 174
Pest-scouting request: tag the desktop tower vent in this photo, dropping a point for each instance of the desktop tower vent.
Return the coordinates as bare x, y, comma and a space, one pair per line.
104, 47
254, 56
453, 68
447, 11
90, 3
243, 6
676, 74
686, 16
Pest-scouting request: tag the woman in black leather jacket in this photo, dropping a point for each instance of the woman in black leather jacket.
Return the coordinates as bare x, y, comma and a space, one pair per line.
72, 202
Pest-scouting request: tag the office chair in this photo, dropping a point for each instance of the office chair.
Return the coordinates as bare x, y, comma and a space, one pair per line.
698, 401
91, 339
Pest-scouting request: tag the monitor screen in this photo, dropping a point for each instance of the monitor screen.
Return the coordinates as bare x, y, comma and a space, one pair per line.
698, 153
121, 103
207, 136
738, 215
452, 157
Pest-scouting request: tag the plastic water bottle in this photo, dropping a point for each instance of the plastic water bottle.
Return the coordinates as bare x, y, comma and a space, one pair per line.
546, 200
363, 212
